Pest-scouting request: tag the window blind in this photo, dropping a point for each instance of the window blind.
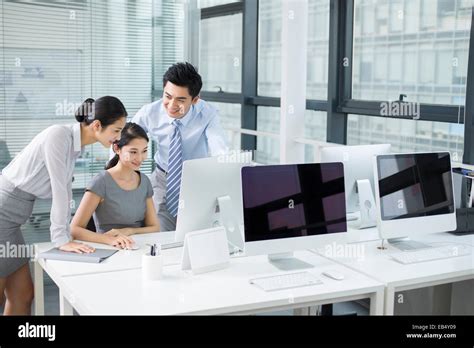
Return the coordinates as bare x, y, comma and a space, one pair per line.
55, 54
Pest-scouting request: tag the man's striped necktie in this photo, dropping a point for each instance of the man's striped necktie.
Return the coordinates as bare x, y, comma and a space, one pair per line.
175, 163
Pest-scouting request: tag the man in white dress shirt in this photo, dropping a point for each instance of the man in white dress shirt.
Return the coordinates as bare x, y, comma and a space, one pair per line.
184, 127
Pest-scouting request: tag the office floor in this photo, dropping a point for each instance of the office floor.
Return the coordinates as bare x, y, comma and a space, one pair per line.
51, 304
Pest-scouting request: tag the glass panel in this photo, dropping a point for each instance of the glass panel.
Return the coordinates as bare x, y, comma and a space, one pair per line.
417, 47
168, 31
211, 3
269, 49
230, 121
318, 49
268, 149
315, 125
407, 135
221, 53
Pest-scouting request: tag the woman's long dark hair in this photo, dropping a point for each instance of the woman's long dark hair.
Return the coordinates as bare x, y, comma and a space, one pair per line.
130, 132
106, 109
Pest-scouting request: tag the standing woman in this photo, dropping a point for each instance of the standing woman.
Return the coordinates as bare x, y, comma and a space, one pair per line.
44, 169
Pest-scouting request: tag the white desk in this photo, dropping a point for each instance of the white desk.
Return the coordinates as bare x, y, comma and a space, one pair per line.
366, 258
122, 260
226, 291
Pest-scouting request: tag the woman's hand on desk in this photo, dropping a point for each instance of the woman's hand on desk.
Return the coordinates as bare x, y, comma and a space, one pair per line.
77, 248
119, 241
120, 232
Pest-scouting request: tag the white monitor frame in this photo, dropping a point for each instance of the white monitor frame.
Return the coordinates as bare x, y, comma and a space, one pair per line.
283, 248
414, 226
357, 160
203, 181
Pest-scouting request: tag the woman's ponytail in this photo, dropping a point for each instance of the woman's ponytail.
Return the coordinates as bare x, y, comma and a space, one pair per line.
107, 110
112, 162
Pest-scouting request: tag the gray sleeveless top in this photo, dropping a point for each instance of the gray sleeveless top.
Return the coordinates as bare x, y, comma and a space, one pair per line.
120, 208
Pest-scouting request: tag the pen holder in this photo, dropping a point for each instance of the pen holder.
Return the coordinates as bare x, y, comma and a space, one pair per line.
152, 267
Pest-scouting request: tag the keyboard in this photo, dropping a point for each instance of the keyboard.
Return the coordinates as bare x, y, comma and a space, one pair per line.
165, 239
170, 245
435, 253
286, 281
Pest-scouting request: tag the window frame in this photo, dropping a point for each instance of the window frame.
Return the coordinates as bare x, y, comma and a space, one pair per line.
339, 103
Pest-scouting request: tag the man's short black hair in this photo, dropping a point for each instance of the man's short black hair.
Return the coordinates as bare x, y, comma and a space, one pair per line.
184, 75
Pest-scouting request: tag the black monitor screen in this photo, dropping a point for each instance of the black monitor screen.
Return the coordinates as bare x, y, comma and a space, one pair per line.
415, 185
285, 201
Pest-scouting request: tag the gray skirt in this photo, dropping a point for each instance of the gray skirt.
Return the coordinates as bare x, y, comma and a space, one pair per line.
16, 207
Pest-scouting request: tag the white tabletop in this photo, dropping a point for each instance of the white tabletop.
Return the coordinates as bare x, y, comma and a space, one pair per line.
223, 291
367, 258
122, 260
357, 235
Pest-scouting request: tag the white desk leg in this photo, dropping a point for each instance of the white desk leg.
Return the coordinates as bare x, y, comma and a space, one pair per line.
389, 301
376, 303
65, 307
39, 288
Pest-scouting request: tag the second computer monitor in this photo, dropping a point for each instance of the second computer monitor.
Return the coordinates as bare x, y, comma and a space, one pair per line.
357, 162
293, 207
206, 182
414, 194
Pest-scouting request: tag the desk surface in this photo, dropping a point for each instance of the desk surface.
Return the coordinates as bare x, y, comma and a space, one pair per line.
365, 257
122, 260
219, 292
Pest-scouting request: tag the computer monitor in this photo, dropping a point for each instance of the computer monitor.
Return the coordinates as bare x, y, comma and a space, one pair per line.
292, 207
211, 196
357, 162
414, 194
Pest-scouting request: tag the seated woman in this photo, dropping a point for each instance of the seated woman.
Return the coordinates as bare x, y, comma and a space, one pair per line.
119, 198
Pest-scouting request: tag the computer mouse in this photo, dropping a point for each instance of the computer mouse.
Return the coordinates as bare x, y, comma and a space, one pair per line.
333, 275
134, 246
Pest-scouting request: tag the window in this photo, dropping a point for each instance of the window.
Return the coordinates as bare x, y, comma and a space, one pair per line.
55, 55
318, 49
268, 148
221, 53
230, 120
168, 39
269, 49
211, 3
315, 123
420, 38
407, 135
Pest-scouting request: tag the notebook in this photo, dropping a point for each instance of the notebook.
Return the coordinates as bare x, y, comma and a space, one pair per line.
97, 256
